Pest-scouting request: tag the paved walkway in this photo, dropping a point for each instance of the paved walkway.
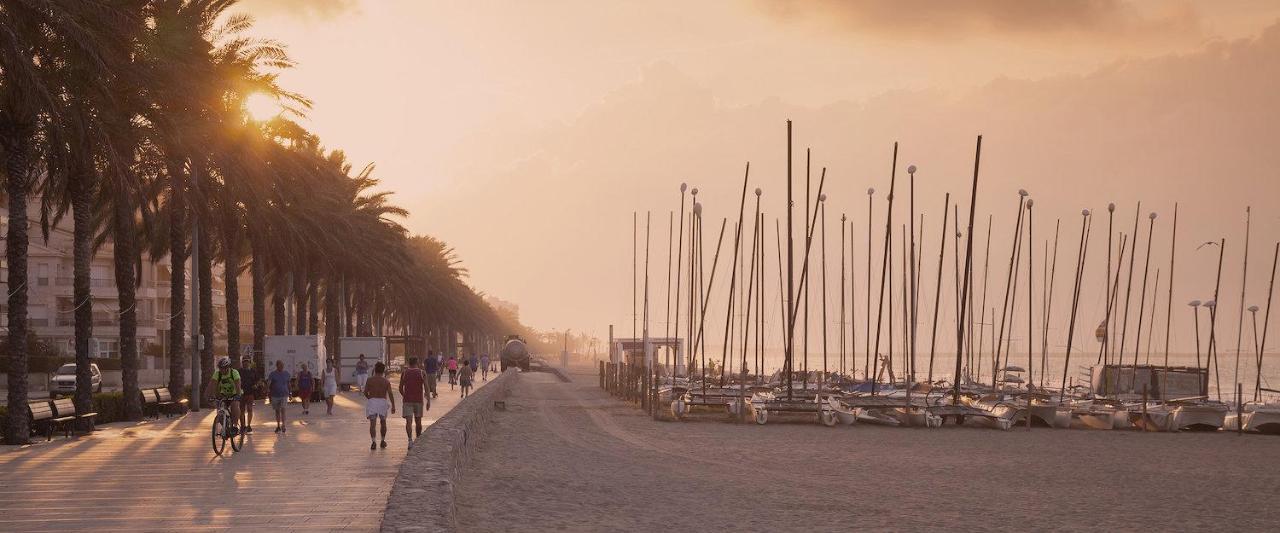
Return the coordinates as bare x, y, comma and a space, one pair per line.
162, 475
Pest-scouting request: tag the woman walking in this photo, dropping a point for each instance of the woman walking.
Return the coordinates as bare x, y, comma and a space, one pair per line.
329, 385
306, 384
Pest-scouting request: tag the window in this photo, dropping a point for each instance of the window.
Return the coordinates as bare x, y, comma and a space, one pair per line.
42, 274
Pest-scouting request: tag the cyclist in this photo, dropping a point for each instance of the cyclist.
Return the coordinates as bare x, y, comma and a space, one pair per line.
225, 382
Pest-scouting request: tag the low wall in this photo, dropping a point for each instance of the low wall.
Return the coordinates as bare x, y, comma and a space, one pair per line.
422, 497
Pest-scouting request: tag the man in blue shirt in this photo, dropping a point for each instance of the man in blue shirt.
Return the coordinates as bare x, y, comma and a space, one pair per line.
432, 369
278, 389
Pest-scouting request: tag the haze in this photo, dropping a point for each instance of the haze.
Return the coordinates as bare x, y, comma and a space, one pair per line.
525, 134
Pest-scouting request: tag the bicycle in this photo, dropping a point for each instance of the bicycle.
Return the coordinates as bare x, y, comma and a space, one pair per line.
222, 430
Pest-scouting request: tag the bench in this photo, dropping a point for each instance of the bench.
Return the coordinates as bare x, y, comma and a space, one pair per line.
166, 403
42, 415
66, 413
150, 403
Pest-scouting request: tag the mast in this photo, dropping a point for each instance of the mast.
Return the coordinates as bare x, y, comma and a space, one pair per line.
866, 361
937, 293
884, 275
1213, 321
1173, 252
1081, 255
1124, 324
1244, 282
755, 238
1142, 298
1266, 321
1048, 307
791, 319
998, 342
822, 209
843, 226
733, 275
675, 321
968, 260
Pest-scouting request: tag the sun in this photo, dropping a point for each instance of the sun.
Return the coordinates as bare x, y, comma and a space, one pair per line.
262, 107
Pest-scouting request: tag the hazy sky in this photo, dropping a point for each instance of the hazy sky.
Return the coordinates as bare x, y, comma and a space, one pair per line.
526, 133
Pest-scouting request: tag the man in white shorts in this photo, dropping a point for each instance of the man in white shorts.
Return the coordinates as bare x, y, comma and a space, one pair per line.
380, 399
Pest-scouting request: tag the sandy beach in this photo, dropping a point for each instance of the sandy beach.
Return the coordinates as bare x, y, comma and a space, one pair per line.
566, 456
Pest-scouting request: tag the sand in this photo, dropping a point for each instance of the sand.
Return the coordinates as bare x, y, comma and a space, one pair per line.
566, 456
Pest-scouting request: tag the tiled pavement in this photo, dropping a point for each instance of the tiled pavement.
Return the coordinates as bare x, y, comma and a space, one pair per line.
163, 476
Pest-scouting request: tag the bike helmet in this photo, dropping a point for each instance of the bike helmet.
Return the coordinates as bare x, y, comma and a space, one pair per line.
224, 362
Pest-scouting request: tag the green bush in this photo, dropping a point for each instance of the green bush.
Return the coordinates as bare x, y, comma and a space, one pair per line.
109, 406
4, 421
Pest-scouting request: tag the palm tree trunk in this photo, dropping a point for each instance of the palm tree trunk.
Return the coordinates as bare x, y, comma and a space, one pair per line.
17, 143
259, 273
231, 269
126, 257
205, 269
177, 279
300, 304
313, 297
331, 323
82, 295
277, 309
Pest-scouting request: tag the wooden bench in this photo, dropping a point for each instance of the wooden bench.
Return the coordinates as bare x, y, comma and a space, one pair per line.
42, 415
67, 415
166, 403
150, 403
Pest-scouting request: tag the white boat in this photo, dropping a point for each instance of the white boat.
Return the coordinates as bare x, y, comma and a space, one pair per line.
917, 417
1265, 419
1151, 417
1199, 416
844, 414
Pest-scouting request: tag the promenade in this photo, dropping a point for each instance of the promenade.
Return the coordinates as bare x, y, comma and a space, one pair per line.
162, 475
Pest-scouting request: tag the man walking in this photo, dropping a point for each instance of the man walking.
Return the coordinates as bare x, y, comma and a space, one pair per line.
250, 381
413, 388
432, 369
484, 366
380, 399
278, 389
362, 372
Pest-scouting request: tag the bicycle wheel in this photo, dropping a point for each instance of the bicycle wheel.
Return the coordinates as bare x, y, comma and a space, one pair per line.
237, 442
219, 433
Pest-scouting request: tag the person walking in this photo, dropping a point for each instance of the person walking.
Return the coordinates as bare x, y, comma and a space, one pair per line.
484, 366
453, 371
251, 382
306, 384
379, 399
278, 389
362, 372
414, 399
440, 366
432, 370
465, 379
329, 384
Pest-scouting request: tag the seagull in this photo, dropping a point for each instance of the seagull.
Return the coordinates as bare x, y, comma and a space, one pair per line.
1207, 243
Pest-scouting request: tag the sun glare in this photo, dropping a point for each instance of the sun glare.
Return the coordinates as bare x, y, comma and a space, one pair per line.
261, 106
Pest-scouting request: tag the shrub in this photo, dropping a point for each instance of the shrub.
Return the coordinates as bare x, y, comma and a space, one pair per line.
4, 421
109, 406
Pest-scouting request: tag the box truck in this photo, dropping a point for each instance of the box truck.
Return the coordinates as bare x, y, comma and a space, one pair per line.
373, 348
294, 351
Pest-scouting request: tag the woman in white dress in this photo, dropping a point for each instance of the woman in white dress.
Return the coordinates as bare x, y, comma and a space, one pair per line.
329, 385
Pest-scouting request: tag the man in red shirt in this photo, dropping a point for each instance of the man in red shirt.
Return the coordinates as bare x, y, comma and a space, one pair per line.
413, 386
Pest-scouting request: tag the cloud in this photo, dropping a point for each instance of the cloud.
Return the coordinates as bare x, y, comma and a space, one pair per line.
927, 19
318, 9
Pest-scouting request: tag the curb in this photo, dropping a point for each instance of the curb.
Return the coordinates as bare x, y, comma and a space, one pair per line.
422, 496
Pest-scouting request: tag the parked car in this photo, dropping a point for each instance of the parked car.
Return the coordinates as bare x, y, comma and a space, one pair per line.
63, 382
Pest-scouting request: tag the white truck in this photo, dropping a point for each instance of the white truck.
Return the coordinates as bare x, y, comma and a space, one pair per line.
373, 348
294, 351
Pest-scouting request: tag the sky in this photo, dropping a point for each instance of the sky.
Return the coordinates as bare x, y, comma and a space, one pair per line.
526, 134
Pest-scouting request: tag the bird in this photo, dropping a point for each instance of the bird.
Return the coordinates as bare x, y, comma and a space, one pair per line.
1207, 243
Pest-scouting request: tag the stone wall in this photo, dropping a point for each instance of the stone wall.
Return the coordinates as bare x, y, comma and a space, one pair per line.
422, 497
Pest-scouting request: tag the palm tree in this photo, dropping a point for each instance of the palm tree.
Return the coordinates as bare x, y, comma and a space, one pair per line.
40, 42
